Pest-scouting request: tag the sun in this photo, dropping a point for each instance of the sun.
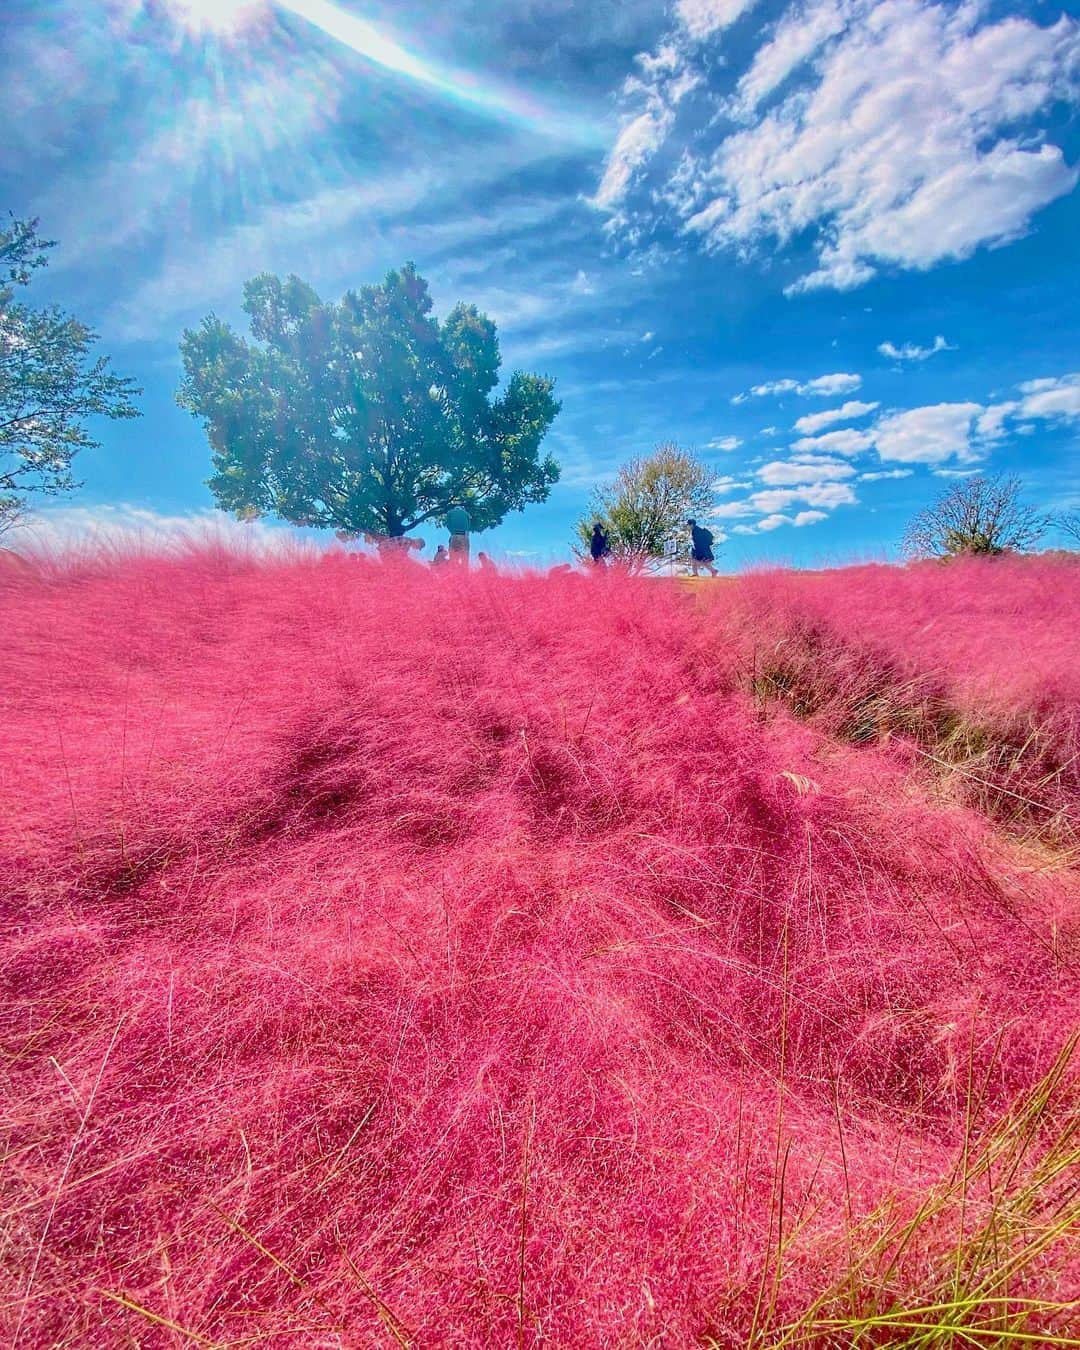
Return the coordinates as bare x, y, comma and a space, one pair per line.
223, 17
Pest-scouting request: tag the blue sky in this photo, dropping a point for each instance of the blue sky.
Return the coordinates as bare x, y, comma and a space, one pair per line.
832, 246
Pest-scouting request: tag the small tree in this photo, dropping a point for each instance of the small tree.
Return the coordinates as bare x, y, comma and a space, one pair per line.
648, 503
979, 515
1068, 524
368, 415
49, 385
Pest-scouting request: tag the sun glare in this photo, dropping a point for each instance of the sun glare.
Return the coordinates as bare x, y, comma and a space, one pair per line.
223, 17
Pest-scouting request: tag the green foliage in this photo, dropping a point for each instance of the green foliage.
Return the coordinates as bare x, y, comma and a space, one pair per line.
649, 502
367, 415
49, 385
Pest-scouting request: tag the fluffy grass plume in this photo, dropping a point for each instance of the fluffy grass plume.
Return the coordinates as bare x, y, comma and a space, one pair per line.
390, 958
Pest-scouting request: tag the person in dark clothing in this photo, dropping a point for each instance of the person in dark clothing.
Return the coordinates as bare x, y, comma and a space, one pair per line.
701, 554
599, 548
459, 525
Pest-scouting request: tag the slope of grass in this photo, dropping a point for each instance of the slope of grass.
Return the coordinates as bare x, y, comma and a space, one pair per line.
973, 662
398, 959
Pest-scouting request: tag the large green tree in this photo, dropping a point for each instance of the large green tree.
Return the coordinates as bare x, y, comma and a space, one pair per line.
49, 381
366, 415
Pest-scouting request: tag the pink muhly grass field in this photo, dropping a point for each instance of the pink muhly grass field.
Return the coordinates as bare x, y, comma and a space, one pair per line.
976, 660
390, 958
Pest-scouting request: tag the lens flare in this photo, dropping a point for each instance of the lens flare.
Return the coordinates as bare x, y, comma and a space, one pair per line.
221, 17
498, 100
494, 99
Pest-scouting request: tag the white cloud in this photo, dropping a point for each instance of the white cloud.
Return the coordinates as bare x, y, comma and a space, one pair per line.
776, 519
804, 469
634, 147
844, 442
727, 483
825, 495
905, 134
824, 386
664, 61
731, 510
931, 435
723, 443
800, 33
774, 387
990, 424
847, 412
702, 18
829, 386
1051, 397
910, 351
878, 474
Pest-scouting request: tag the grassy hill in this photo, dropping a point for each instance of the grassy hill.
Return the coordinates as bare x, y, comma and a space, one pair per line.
389, 958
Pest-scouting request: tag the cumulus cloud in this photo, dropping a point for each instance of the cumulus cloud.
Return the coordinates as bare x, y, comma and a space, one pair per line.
829, 386
877, 475
845, 442
910, 351
824, 386
731, 510
702, 18
723, 443
990, 424
963, 433
1054, 398
778, 518
892, 134
825, 495
799, 34
931, 435
847, 412
804, 469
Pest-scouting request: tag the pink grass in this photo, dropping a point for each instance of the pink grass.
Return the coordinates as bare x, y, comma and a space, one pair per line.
389, 959
973, 660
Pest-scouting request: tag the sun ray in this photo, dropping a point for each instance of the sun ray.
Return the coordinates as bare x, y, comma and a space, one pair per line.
499, 101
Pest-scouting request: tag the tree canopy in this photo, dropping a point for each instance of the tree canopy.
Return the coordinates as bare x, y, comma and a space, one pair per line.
367, 415
49, 383
648, 503
977, 515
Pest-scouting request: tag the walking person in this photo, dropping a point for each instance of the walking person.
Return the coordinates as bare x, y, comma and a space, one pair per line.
701, 554
459, 525
599, 548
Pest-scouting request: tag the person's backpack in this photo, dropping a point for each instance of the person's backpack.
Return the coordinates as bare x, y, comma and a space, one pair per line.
707, 536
